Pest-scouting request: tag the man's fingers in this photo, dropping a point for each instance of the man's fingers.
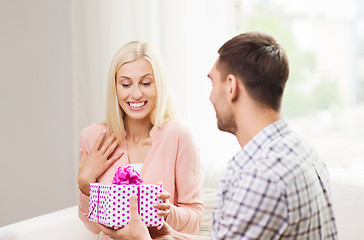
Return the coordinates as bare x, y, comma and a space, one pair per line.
108, 231
105, 230
133, 205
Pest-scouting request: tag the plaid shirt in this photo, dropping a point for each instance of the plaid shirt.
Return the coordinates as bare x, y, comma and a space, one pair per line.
276, 187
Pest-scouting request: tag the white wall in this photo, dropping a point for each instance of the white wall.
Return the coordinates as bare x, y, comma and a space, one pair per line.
54, 60
37, 172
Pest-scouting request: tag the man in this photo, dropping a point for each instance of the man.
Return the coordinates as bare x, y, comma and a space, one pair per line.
276, 187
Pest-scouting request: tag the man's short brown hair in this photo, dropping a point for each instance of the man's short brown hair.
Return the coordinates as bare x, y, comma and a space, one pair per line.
261, 64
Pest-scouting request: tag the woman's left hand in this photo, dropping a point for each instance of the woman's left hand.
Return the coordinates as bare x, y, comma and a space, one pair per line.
163, 208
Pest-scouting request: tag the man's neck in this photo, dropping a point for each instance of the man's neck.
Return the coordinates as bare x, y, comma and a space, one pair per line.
250, 124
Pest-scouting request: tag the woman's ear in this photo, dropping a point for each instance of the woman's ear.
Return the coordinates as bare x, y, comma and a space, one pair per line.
232, 87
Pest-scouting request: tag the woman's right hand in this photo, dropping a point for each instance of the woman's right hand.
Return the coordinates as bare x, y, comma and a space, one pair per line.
94, 163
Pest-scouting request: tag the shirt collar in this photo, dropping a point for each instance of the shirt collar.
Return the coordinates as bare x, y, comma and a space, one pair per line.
267, 134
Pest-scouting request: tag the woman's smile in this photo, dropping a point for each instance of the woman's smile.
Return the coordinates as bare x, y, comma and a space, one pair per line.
137, 106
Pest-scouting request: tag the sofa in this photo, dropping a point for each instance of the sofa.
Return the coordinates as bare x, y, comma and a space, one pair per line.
348, 202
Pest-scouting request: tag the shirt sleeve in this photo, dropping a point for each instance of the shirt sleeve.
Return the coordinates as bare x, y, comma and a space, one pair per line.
186, 215
83, 205
253, 208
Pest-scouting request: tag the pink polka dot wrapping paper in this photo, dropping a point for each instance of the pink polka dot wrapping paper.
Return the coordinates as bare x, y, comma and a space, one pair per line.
109, 204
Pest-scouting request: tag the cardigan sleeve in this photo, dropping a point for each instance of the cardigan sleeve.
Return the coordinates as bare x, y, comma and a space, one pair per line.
186, 215
83, 205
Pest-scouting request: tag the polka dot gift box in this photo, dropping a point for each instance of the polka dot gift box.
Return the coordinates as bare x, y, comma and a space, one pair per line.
109, 203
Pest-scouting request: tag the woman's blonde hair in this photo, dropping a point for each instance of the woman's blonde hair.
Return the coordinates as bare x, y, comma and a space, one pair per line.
162, 111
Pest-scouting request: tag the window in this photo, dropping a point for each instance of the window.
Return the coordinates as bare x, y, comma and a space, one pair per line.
324, 96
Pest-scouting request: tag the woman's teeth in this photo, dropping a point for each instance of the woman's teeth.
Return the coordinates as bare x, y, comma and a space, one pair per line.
137, 105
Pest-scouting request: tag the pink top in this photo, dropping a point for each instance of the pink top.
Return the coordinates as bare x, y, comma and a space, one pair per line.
173, 159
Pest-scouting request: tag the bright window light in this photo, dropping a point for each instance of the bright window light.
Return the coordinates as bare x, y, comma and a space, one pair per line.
324, 96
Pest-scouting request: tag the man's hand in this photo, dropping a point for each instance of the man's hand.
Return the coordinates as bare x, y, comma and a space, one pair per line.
135, 229
165, 232
168, 233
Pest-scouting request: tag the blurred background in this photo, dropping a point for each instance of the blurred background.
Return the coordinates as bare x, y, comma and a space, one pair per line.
55, 54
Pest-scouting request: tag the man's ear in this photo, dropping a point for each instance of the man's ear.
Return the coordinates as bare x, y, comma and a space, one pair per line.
232, 87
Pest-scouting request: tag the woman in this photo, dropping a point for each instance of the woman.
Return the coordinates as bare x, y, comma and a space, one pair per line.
140, 131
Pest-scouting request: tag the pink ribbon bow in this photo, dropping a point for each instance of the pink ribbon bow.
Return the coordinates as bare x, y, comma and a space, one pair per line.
126, 175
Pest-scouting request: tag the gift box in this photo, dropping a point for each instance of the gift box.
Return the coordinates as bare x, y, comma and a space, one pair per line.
109, 203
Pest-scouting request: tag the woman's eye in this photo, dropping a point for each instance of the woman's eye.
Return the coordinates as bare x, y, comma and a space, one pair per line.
146, 83
126, 84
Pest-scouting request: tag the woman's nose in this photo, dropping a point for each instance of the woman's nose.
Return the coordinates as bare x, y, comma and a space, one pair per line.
136, 93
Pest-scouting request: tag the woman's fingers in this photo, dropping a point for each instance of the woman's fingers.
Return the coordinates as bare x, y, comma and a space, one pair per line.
107, 143
97, 161
99, 139
114, 158
107, 147
108, 162
160, 183
163, 208
163, 214
83, 155
164, 195
111, 148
